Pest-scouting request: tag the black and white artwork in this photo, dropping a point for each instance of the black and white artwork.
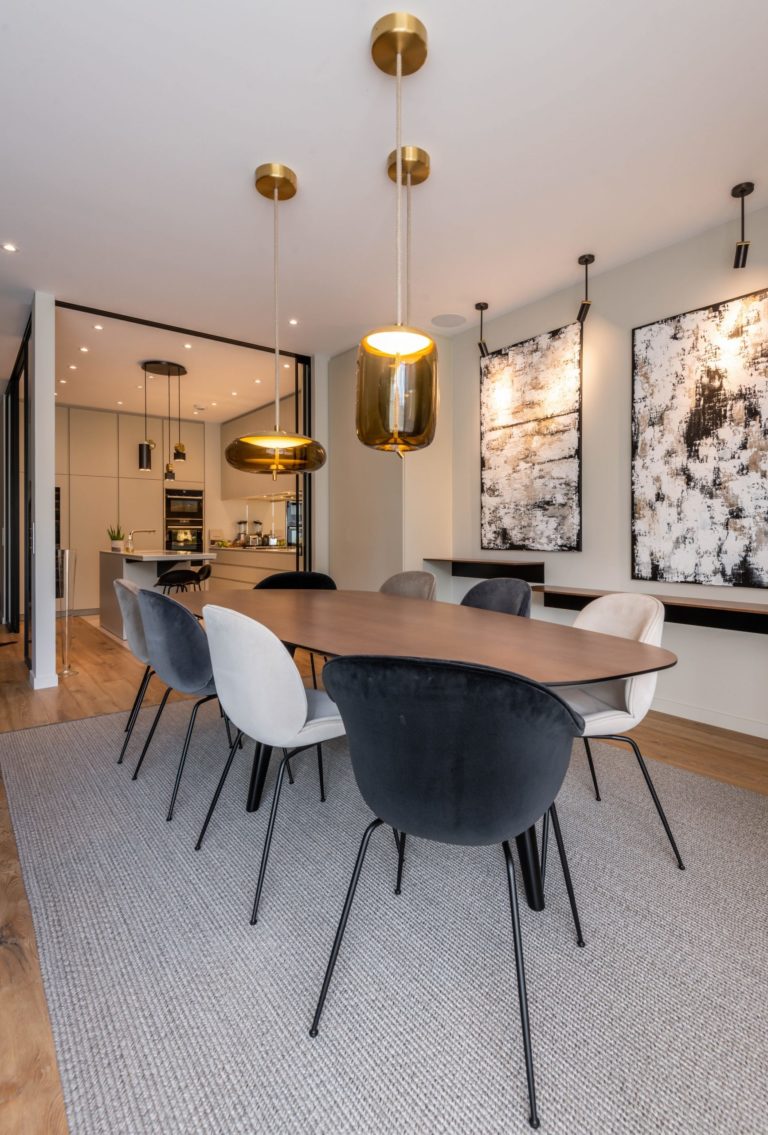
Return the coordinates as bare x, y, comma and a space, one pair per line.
700, 446
530, 444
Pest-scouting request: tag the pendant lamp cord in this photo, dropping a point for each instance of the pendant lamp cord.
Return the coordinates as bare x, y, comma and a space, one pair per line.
742, 220
277, 321
146, 435
398, 186
586, 282
408, 244
178, 391
170, 443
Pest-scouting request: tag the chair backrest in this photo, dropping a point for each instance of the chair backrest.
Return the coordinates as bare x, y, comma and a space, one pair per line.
177, 645
288, 580
127, 597
509, 596
451, 752
203, 573
410, 584
257, 682
635, 616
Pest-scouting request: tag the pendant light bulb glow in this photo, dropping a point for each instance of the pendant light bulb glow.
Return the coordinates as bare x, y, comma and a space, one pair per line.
276, 451
397, 363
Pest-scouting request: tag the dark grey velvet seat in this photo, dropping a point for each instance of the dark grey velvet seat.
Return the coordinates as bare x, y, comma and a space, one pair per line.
127, 598
509, 596
291, 580
177, 648
454, 753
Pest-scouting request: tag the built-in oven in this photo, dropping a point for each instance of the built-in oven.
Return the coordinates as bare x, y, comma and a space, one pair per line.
183, 538
183, 505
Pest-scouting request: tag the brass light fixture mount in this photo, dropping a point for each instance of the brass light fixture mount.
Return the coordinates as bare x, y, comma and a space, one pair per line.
397, 363
740, 191
482, 307
585, 260
276, 451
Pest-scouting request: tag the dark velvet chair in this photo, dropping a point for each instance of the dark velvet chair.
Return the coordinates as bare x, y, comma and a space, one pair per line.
509, 596
201, 575
177, 647
178, 579
291, 580
458, 754
127, 598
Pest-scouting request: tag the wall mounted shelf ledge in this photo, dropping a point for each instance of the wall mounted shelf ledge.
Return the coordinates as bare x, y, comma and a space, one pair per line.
531, 571
720, 614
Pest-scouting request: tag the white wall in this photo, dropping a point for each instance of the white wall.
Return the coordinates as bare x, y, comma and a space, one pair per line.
41, 469
320, 480
722, 676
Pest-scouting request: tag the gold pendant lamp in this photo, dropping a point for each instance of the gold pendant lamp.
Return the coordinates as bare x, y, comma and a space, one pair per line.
397, 363
276, 451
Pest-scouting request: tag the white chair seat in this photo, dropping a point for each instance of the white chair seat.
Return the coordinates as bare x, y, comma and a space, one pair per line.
600, 717
323, 721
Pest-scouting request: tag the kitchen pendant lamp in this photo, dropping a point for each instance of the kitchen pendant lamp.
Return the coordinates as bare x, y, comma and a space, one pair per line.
147, 445
482, 307
740, 191
397, 363
276, 451
585, 261
179, 450
166, 370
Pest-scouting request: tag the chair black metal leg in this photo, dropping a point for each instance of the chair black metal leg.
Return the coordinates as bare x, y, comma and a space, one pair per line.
530, 867
592, 767
544, 846
135, 711
151, 733
261, 757
290, 772
320, 772
533, 1118
566, 873
185, 750
217, 793
643, 768
226, 726
343, 923
314, 672
284, 766
400, 862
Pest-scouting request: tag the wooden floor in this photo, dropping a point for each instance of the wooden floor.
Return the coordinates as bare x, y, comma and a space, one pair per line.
31, 1102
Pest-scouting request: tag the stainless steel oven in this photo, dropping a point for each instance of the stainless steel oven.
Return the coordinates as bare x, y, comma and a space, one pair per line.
183, 506
184, 537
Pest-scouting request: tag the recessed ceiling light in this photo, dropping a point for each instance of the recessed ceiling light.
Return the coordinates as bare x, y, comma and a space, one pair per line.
8, 247
234, 394
293, 322
187, 346
84, 350
62, 382
72, 366
97, 327
119, 403
55, 394
139, 387
213, 403
286, 366
195, 412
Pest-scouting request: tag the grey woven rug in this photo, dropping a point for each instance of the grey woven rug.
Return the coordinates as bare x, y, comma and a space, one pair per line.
172, 1015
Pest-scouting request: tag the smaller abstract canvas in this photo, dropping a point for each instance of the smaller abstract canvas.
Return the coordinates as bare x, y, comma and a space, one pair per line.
530, 444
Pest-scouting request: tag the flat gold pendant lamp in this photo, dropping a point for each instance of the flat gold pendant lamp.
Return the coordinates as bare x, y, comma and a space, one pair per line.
397, 363
276, 451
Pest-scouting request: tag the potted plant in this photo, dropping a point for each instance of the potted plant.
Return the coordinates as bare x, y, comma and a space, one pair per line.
117, 538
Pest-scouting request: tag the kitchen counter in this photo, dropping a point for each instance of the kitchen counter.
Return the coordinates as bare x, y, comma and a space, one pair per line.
261, 548
142, 567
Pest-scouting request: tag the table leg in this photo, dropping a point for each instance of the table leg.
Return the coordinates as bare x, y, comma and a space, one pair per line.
528, 851
258, 775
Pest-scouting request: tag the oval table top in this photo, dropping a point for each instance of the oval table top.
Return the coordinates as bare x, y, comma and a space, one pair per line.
367, 622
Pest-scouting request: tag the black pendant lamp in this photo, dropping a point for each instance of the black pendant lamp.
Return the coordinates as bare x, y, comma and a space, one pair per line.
276, 451
168, 371
483, 346
740, 191
585, 261
179, 451
147, 445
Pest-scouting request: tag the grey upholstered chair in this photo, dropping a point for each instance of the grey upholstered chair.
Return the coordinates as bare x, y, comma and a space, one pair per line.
410, 585
611, 709
127, 592
458, 754
178, 652
509, 596
261, 691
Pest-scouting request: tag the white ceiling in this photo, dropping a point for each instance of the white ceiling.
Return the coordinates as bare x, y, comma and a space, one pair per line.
222, 380
131, 131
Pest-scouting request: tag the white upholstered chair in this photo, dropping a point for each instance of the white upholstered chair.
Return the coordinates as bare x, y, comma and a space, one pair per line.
611, 709
262, 694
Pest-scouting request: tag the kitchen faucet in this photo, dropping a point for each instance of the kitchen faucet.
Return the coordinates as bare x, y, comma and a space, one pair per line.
129, 542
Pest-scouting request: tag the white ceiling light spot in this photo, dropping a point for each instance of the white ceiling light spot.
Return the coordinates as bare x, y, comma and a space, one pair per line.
84, 350
286, 366
72, 366
234, 394
9, 247
119, 403
187, 346
257, 381
293, 322
98, 327
448, 320
62, 382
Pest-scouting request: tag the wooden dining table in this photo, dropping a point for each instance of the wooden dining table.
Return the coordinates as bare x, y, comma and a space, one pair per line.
369, 622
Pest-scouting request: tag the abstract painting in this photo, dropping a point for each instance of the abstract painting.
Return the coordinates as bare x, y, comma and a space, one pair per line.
530, 444
700, 446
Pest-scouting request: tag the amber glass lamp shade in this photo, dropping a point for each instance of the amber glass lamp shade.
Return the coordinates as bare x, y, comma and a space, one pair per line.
396, 394
275, 453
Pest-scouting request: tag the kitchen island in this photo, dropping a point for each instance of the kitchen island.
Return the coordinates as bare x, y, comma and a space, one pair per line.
244, 567
142, 568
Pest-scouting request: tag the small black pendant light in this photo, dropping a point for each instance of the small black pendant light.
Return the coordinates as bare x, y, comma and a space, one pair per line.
147, 445
179, 451
585, 260
740, 191
169, 471
484, 352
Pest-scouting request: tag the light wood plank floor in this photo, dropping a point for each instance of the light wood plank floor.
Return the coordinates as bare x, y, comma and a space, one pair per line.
30, 1090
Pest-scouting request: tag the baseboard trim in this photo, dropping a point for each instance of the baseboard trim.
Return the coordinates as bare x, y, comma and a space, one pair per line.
43, 681
707, 716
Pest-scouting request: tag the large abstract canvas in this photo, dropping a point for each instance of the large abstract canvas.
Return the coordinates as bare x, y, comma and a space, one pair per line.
700, 446
530, 444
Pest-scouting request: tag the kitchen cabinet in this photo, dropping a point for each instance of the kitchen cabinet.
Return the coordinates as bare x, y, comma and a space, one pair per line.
93, 443
93, 508
140, 505
62, 440
245, 567
130, 429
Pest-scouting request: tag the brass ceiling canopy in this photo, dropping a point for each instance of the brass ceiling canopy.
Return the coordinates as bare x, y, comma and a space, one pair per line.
415, 162
275, 176
399, 34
